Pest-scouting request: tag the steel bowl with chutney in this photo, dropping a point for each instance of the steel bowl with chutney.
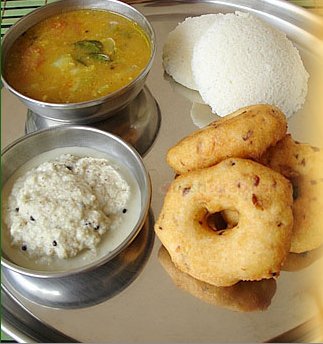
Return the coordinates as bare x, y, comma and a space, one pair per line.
47, 145
76, 61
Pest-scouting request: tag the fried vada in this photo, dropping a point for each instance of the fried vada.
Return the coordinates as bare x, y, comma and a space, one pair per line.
246, 133
302, 164
253, 249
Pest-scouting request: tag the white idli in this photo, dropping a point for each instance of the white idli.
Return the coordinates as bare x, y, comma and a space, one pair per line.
242, 61
178, 48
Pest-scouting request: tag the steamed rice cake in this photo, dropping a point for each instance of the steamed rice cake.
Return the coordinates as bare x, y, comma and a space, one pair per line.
241, 60
178, 48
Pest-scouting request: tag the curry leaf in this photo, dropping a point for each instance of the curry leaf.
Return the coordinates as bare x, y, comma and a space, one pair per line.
89, 46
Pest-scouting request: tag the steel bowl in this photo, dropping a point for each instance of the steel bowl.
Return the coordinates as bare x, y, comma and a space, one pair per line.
92, 110
30, 146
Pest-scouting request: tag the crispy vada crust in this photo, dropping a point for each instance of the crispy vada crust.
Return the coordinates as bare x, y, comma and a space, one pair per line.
302, 164
242, 297
246, 133
254, 249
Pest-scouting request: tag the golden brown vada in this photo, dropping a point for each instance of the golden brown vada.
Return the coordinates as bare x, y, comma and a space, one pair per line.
302, 164
246, 133
254, 249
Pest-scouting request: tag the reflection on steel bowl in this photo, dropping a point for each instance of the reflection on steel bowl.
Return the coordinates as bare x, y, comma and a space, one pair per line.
71, 60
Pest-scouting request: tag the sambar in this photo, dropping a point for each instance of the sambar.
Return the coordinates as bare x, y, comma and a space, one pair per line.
77, 56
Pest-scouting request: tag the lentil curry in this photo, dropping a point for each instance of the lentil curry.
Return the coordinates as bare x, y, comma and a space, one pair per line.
77, 56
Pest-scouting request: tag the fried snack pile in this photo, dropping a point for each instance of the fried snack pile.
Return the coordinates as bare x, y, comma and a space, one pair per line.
233, 213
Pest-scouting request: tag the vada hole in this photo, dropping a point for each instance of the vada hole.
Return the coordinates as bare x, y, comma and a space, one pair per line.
222, 220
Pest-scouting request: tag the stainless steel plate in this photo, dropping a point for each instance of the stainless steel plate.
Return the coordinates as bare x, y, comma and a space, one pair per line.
152, 308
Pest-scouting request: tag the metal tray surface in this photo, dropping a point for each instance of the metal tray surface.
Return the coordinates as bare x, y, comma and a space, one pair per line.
152, 308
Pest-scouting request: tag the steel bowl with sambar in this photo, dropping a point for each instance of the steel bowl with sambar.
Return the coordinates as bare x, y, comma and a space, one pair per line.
78, 61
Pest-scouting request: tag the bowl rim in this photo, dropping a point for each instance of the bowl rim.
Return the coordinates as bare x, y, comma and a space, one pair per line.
117, 250
87, 103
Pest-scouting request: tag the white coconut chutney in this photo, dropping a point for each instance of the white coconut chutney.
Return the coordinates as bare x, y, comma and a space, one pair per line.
76, 206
